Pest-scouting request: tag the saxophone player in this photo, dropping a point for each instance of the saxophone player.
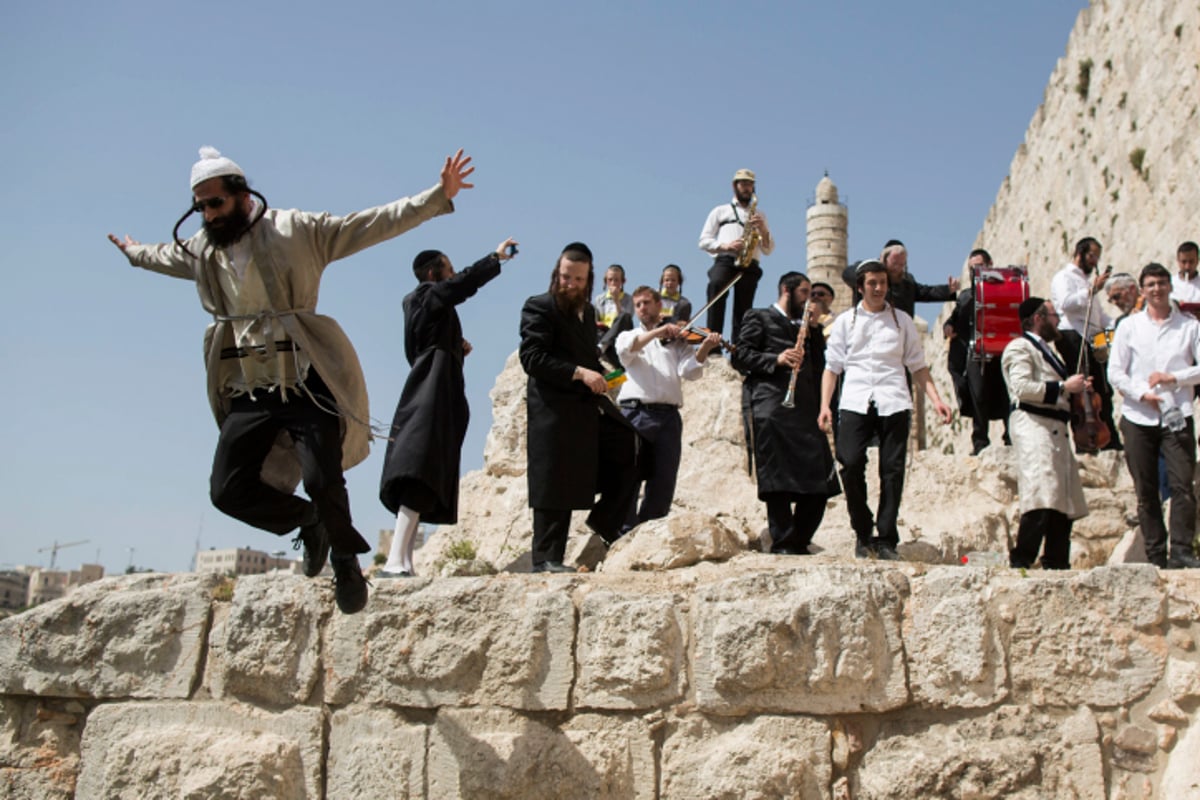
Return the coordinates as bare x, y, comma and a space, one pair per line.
793, 463
736, 234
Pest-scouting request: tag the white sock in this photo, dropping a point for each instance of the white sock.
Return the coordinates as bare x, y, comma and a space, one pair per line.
403, 540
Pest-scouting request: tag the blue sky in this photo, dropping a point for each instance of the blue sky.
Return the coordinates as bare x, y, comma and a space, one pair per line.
619, 124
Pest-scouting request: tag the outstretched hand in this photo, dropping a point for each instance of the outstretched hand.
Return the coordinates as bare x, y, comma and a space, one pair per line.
502, 248
454, 174
122, 244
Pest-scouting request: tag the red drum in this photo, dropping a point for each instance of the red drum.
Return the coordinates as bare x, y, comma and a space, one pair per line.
999, 291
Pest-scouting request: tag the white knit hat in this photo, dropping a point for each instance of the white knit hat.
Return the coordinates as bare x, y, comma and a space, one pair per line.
213, 165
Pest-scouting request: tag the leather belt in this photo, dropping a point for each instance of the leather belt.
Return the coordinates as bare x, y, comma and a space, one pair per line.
285, 346
1040, 411
648, 406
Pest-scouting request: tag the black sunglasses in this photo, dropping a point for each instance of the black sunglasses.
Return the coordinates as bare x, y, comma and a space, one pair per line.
212, 202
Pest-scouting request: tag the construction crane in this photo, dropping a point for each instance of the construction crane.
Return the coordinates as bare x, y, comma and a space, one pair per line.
54, 548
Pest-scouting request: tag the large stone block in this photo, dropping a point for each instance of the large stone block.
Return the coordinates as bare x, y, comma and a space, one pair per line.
675, 541
820, 640
955, 656
39, 748
494, 753
201, 750
375, 753
267, 648
631, 651
134, 636
764, 757
1012, 753
1092, 638
504, 640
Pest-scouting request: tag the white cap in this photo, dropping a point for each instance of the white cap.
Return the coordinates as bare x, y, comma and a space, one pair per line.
213, 165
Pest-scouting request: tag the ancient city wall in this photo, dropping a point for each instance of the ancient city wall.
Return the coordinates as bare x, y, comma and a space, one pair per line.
765, 678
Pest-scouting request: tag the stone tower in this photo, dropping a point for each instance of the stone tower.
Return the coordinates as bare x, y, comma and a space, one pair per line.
828, 241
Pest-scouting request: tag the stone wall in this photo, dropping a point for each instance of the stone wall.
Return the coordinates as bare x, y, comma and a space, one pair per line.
763, 677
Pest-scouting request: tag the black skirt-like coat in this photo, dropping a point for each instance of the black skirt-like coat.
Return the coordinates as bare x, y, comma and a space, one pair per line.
563, 414
790, 453
421, 464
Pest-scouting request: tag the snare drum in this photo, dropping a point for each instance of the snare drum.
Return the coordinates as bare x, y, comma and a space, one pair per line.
999, 292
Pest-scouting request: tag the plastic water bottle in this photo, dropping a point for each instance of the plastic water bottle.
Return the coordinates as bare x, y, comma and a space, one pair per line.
1172, 415
983, 558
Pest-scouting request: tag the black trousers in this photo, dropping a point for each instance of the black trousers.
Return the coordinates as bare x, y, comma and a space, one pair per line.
988, 399
1037, 525
662, 434
793, 520
616, 484
855, 432
1069, 345
1143, 443
719, 275
247, 436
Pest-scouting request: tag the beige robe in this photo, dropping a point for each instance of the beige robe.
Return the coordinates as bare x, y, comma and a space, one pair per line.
291, 249
1047, 472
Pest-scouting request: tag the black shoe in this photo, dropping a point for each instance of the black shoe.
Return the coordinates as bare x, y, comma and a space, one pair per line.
863, 551
552, 566
1183, 560
885, 552
316, 547
349, 585
801, 550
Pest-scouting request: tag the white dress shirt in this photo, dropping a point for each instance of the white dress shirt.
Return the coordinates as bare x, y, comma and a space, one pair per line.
872, 350
1069, 291
1185, 291
1142, 346
727, 223
655, 373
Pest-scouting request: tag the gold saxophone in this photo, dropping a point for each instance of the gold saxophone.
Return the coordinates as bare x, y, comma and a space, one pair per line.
750, 237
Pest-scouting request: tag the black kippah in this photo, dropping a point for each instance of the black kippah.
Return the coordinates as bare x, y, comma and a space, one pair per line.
1030, 307
424, 259
892, 242
578, 247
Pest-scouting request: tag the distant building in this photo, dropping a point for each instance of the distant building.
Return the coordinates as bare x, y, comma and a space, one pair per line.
828, 242
51, 584
242, 561
14, 588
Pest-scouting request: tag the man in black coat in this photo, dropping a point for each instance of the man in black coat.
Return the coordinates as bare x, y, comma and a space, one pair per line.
791, 454
903, 290
578, 442
421, 464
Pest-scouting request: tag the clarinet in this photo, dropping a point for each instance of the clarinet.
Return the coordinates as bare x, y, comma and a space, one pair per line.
789, 400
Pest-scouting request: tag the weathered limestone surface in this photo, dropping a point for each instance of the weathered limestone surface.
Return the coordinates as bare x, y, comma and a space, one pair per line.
494, 753
630, 651
953, 639
678, 540
375, 754
39, 747
1106, 623
456, 641
822, 640
137, 636
141, 751
1015, 752
758, 757
266, 647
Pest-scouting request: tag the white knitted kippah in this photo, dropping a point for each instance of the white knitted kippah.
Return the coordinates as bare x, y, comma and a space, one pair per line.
213, 165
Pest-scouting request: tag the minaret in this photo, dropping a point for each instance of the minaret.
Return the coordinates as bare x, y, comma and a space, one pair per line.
828, 242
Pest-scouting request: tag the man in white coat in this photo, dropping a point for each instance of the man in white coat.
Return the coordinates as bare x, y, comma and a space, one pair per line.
1048, 483
284, 382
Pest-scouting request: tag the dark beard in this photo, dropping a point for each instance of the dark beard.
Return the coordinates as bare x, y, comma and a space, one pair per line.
745, 198
224, 231
1051, 334
568, 304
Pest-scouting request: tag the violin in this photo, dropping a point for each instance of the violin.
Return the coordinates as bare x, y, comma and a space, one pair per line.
1090, 432
696, 334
